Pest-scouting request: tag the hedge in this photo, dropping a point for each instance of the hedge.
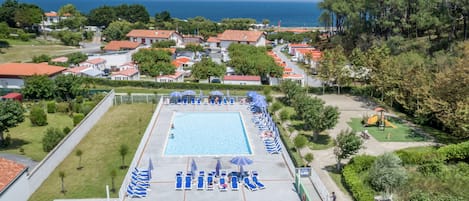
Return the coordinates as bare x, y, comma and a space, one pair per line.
455, 152
351, 175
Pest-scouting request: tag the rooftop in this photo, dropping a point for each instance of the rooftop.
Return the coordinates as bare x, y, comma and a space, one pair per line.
28, 69
120, 45
142, 33
241, 78
240, 35
9, 171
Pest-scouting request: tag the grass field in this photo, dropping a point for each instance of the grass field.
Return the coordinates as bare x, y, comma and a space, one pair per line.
403, 133
24, 53
123, 124
29, 137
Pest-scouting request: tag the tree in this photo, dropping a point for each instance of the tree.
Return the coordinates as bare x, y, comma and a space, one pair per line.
102, 16
309, 157
163, 44
347, 144
76, 58
300, 141
387, 173
207, 68
62, 176
27, 15
37, 116
290, 89
332, 68
68, 9
153, 61
132, 13
194, 47
265, 22
11, 114
67, 87
52, 137
38, 87
117, 30
320, 118
41, 58
113, 175
78, 153
70, 38
123, 151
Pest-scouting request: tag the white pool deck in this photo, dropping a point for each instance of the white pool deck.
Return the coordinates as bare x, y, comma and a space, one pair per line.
276, 171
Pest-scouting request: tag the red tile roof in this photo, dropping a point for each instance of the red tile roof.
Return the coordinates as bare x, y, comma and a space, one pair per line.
120, 45
173, 76
293, 76
60, 59
28, 69
298, 45
141, 33
241, 78
76, 70
9, 171
95, 61
240, 35
213, 39
128, 72
51, 14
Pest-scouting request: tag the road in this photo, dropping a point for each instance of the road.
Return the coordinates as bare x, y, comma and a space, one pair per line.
94, 46
311, 81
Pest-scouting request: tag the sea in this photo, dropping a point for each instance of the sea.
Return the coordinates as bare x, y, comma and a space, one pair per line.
293, 13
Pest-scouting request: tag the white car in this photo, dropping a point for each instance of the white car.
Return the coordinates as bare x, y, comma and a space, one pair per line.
294, 58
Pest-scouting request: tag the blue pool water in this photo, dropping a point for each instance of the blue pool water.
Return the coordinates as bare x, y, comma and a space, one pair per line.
207, 133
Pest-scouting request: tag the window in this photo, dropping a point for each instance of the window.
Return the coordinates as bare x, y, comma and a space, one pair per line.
143, 41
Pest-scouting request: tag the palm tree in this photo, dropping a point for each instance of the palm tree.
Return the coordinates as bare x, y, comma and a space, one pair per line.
78, 153
113, 175
62, 176
123, 150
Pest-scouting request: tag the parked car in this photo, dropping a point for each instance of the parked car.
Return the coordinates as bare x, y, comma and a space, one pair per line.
294, 58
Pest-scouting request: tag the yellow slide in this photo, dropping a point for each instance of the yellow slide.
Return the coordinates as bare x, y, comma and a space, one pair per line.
372, 120
389, 124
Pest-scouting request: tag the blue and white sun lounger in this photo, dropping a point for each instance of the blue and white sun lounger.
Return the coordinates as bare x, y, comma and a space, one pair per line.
178, 182
198, 101
200, 182
256, 181
188, 185
231, 101
234, 183
248, 184
223, 186
210, 181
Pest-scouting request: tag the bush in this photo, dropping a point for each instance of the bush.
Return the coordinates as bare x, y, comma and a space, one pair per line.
419, 157
269, 99
87, 107
431, 169
77, 117
66, 130
52, 137
455, 152
38, 117
51, 107
354, 183
284, 115
76, 107
267, 90
276, 106
62, 107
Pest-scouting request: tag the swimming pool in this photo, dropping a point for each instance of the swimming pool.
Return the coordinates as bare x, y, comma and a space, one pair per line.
207, 133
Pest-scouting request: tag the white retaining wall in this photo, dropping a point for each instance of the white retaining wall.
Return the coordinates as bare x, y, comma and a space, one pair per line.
66, 146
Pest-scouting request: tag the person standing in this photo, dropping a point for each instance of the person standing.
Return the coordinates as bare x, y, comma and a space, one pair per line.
333, 196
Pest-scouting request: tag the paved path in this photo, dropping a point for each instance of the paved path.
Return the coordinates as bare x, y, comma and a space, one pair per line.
350, 107
312, 82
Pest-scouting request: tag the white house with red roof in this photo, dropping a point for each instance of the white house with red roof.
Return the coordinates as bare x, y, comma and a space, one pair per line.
242, 79
13, 180
96, 63
127, 74
147, 37
12, 74
224, 40
52, 18
293, 46
120, 46
178, 76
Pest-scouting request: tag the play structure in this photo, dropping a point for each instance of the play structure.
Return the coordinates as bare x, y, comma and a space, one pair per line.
379, 120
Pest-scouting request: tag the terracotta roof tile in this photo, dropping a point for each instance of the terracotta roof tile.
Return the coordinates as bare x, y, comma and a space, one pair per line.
28, 69
9, 171
141, 33
60, 59
213, 39
173, 76
51, 14
241, 78
95, 61
128, 72
240, 35
76, 70
298, 45
120, 45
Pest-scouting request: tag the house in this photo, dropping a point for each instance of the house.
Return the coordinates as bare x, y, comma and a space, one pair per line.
292, 46
96, 63
256, 38
13, 173
52, 18
299, 78
314, 56
182, 62
242, 80
12, 74
127, 74
178, 76
213, 41
192, 39
147, 37
120, 46
85, 71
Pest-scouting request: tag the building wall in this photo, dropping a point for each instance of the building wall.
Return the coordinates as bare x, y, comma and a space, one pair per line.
122, 77
242, 82
66, 146
11, 83
212, 45
261, 41
16, 191
225, 44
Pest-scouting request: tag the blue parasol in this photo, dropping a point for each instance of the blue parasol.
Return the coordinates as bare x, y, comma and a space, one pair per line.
241, 161
150, 167
252, 94
258, 98
193, 168
216, 93
260, 103
188, 93
217, 168
175, 94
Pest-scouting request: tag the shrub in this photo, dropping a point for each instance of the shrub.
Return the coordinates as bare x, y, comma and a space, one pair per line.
276, 106
51, 107
431, 168
267, 90
269, 99
62, 107
455, 152
87, 107
76, 107
38, 117
77, 117
419, 157
52, 137
66, 130
354, 183
284, 115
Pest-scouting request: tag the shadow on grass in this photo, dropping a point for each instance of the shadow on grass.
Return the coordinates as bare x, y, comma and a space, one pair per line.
15, 144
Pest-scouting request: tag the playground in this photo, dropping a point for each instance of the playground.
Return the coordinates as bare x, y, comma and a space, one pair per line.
384, 128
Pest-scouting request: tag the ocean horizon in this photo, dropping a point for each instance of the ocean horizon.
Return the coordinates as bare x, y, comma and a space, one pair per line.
296, 13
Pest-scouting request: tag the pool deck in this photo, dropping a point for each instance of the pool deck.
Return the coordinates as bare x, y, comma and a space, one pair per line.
276, 171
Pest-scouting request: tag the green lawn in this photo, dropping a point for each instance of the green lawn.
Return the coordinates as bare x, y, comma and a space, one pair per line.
337, 178
25, 53
402, 133
123, 124
29, 137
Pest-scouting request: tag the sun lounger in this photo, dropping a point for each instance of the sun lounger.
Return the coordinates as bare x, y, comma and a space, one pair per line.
188, 185
223, 186
248, 184
210, 181
200, 182
198, 101
225, 101
234, 183
231, 101
179, 182
256, 181
136, 194
192, 101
